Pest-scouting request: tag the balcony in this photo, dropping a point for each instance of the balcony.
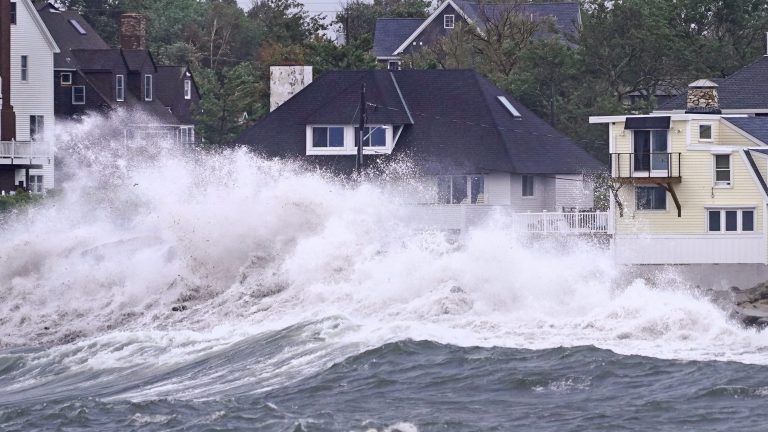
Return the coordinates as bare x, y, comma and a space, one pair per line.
25, 154
646, 168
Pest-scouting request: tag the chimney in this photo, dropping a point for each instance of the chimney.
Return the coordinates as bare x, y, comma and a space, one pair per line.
286, 81
133, 31
7, 115
702, 98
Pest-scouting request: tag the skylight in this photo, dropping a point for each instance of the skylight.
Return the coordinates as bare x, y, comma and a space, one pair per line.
508, 106
77, 26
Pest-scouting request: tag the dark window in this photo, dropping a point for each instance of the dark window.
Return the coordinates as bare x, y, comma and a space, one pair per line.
24, 68
650, 150
723, 169
36, 127
393, 65
651, 198
66, 78
120, 88
731, 220
147, 87
705, 132
714, 220
747, 220
373, 136
36, 184
458, 189
327, 137
78, 95
528, 185
478, 190
13, 13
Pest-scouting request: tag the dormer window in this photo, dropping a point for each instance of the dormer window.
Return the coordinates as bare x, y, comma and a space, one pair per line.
120, 88
327, 136
373, 136
448, 21
187, 89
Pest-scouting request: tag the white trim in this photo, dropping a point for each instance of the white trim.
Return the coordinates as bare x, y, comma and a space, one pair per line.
428, 21
402, 100
711, 132
121, 79
673, 117
721, 184
187, 88
40, 25
739, 220
666, 201
445, 21
73, 95
151, 88
61, 78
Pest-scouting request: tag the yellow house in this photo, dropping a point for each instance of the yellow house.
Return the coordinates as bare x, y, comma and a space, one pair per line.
689, 188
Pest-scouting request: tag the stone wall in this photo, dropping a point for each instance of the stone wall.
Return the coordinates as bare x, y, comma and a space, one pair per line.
703, 98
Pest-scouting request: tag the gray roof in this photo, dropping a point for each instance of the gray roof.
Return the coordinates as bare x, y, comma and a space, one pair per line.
746, 88
390, 33
755, 126
458, 126
97, 59
66, 36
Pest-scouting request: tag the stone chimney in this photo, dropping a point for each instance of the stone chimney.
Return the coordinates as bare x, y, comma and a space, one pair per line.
133, 31
286, 81
703, 98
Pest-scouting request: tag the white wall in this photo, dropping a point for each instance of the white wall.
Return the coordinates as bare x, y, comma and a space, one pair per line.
543, 199
573, 191
35, 96
689, 249
498, 189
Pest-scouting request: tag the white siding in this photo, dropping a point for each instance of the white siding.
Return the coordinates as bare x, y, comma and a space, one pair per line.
573, 191
690, 249
543, 199
497, 189
34, 96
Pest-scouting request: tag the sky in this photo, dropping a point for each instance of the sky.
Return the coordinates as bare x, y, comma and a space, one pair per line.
326, 7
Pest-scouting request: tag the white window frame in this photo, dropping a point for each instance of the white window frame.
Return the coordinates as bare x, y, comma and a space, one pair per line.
711, 132
120, 88
722, 184
68, 81
446, 23
668, 151
666, 201
350, 140
36, 184
328, 137
396, 63
532, 183
739, 219
148, 90
74, 102
24, 68
187, 89
371, 129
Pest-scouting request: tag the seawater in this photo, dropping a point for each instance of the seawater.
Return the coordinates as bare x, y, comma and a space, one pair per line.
176, 289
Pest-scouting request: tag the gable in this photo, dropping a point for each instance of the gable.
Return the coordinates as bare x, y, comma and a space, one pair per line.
434, 23
31, 13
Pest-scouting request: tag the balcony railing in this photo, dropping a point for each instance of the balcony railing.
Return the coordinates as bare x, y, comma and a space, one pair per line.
24, 149
648, 165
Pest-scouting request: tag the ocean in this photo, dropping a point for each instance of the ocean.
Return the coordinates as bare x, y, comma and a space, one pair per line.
166, 289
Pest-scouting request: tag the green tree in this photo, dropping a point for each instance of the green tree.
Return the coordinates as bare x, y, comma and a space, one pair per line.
357, 18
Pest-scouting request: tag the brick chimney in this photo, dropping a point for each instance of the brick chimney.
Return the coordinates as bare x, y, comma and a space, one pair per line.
133, 31
286, 81
703, 98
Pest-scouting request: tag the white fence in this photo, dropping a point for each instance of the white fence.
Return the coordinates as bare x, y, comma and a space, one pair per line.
460, 217
24, 149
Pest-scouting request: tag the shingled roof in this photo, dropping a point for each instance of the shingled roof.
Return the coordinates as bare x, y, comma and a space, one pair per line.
757, 127
453, 123
60, 25
391, 32
746, 88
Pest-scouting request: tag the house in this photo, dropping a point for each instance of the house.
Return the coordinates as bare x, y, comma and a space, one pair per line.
90, 76
26, 153
395, 37
691, 185
473, 144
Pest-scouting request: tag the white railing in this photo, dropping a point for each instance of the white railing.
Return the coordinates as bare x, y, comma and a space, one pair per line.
24, 149
460, 217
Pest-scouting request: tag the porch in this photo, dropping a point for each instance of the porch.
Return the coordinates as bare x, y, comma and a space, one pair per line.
463, 216
25, 154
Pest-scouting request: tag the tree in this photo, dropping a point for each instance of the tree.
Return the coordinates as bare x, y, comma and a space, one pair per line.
357, 18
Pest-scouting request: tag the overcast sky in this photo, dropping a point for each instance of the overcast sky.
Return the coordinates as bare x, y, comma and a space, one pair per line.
328, 7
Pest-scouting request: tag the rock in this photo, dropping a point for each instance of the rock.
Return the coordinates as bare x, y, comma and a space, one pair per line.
179, 308
750, 306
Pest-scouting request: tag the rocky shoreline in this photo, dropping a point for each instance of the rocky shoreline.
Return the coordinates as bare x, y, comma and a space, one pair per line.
748, 306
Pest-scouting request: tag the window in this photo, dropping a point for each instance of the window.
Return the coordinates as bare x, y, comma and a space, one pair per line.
375, 136
650, 198
528, 185
13, 13
461, 190
650, 150
705, 132
66, 78
187, 89
187, 135
448, 21
722, 170
393, 65
328, 137
36, 184
24, 68
731, 220
36, 127
147, 87
78, 95
77, 26
512, 110
120, 87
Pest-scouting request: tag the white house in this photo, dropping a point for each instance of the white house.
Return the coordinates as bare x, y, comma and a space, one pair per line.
28, 161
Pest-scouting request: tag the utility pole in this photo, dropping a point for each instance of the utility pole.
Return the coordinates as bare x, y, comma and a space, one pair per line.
363, 115
7, 116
